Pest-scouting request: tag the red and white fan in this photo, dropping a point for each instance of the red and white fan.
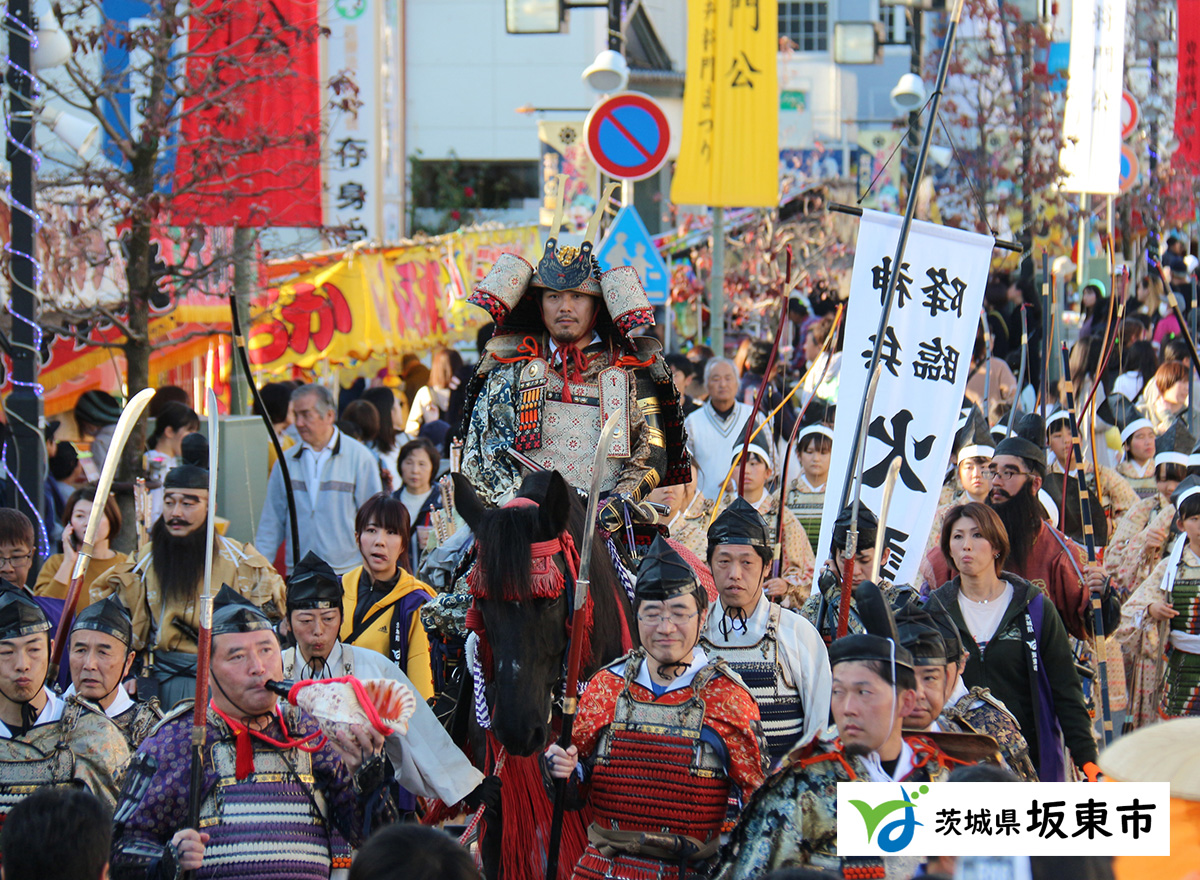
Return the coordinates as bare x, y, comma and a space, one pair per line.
338, 703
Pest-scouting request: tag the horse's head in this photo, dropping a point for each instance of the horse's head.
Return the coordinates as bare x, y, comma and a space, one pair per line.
523, 602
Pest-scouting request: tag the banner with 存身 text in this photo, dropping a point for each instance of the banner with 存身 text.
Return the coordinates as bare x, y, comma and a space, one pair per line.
1091, 153
729, 151
924, 362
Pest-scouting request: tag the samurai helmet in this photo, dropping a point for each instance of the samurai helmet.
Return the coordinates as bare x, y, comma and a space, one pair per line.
663, 574
1173, 445
503, 293
740, 523
108, 616
881, 641
973, 437
1119, 410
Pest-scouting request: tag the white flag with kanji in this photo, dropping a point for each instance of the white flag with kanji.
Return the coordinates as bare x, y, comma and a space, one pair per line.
925, 361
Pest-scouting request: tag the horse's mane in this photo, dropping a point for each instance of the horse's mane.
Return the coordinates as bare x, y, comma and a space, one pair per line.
504, 536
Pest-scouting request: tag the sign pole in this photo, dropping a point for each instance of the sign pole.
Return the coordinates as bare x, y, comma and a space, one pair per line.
716, 285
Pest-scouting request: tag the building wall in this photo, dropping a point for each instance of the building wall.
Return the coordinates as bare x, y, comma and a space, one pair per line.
467, 76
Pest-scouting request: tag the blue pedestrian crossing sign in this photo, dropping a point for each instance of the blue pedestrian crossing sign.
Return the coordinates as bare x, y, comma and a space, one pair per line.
628, 243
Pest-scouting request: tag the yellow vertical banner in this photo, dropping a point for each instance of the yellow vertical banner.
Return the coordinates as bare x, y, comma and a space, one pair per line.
729, 151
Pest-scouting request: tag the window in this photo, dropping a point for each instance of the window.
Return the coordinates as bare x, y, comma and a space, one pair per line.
895, 24
806, 25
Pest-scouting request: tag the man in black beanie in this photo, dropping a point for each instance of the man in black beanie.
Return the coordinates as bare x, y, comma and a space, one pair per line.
664, 736
428, 763
161, 586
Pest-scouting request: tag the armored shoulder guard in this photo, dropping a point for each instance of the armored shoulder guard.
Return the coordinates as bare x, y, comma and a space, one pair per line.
982, 693
718, 666
659, 401
503, 346
180, 710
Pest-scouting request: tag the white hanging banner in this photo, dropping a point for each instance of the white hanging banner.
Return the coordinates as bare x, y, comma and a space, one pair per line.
1091, 154
924, 362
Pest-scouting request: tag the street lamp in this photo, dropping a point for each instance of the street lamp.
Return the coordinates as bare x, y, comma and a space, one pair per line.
608, 73
78, 134
909, 93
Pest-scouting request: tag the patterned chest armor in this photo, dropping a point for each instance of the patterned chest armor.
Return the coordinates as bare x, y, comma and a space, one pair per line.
37, 759
279, 802
652, 772
779, 705
1185, 598
562, 434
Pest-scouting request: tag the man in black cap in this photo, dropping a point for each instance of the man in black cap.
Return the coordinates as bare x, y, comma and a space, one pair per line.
161, 586
46, 740
821, 609
1040, 553
792, 819
276, 803
665, 734
427, 762
944, 703
100, 654
778, 653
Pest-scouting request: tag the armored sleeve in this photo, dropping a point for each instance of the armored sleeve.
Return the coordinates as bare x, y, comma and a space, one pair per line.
489, 428
153, 803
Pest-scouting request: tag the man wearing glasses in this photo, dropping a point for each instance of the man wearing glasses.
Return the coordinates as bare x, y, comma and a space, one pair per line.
17, 547
1039, 552
664, 735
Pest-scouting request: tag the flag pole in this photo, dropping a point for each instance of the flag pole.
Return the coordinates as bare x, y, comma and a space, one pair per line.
856, 465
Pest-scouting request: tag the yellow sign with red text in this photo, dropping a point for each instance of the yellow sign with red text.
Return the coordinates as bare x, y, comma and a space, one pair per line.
380, 304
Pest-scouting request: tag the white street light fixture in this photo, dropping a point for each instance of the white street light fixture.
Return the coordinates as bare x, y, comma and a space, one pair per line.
78, 134
53, 47
909, 93
608, 73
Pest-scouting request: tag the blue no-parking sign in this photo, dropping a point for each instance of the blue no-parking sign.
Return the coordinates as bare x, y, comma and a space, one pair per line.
627, 136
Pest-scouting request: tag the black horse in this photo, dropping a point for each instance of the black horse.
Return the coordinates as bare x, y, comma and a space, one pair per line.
525, 633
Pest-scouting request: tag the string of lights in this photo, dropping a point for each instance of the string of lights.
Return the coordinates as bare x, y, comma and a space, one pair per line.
15, 72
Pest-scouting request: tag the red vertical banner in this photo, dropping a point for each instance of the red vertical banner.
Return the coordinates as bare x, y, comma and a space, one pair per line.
1187, 93
250, 123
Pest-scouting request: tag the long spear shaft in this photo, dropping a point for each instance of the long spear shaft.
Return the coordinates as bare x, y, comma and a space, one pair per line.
1045, 333
776, 564
125, 425
987, 370
885, 314
762, 388
239, 342
1012, 414
575, 645
851, 549
204, 638
1089, 540
1187, 335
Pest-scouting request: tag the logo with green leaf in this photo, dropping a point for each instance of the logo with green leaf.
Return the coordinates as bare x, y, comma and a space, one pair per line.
897, 834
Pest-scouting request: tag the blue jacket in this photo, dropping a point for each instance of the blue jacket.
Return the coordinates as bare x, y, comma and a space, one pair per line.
326, 516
